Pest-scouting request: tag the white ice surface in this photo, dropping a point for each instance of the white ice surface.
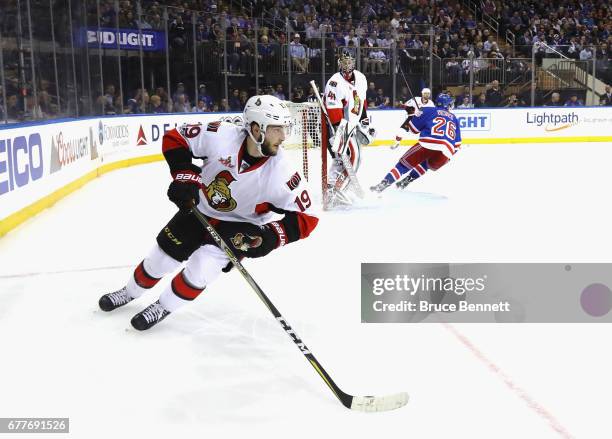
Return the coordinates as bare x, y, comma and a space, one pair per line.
223, 368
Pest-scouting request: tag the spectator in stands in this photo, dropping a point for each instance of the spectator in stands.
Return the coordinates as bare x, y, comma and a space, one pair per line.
109, 98
586, 53
481, 102
177, 33
606, 98
311, 95
12, 108
244, 97
157, 105
180, 90
223, 105
555, 100
279, 93
297, 51
513, 101
234, 101
203, 95
46, 107
454, 71
266, 54
404, 95
182, 104
465, 103
371, 91
381, 98
494, 95
139, 103
538, 96
386, 104
200, 108
163, 95
573, 101
297, 95
377, 61
464, 94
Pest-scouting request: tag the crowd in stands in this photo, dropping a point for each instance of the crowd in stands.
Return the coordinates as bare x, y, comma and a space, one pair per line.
579, 30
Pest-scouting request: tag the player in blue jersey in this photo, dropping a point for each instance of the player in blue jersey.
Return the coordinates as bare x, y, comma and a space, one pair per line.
439, 140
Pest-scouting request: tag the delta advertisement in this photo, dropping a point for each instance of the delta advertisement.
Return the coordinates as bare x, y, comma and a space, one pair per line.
37, 160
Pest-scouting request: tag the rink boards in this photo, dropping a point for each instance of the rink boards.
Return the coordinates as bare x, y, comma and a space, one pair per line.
42, 162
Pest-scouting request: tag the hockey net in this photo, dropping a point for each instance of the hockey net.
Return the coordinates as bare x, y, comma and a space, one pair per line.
305, 144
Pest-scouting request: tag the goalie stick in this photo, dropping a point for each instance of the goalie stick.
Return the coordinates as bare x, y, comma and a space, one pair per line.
341, 137
359, 403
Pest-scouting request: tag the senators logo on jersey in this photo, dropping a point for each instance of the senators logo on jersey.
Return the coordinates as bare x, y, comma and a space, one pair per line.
219, 194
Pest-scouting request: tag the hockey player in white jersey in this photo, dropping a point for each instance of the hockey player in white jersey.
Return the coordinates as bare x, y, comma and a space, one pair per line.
410, 106
345, 98
246, 187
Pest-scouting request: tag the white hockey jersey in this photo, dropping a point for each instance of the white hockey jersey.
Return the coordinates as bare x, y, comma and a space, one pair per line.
347, 98
236, 191
419, 100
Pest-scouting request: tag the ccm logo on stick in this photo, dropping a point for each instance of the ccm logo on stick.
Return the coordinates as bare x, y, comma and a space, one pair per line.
21, 161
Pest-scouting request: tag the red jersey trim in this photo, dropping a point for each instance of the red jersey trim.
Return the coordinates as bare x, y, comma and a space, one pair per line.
173, 140
241, 152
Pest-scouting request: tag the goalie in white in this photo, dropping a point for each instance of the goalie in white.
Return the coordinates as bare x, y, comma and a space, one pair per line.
345, 99
410, 106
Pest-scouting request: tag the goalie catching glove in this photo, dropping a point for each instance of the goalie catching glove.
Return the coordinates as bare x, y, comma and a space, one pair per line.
252, 241
365, 133
184, 191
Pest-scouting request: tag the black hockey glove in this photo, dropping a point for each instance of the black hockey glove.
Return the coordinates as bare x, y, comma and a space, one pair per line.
184, 191
252, 241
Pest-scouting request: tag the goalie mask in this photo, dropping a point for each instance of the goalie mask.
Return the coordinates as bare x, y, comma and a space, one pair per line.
266, 110
346, 64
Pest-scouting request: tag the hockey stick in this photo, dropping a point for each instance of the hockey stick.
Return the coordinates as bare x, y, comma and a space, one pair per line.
411, 94
345, 160
360, 403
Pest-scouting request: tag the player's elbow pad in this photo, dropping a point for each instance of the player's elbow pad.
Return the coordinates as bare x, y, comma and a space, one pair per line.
176, 151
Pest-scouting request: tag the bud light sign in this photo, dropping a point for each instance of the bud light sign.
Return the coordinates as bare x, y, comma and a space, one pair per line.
128, 39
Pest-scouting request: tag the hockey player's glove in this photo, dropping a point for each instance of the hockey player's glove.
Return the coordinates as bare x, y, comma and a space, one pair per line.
184, 191
253, 241
413, 111
365, 133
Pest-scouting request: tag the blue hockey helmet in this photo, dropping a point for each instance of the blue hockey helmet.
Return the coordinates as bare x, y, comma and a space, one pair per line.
444, 100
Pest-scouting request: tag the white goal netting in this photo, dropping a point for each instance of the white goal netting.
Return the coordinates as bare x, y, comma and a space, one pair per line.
305, 143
